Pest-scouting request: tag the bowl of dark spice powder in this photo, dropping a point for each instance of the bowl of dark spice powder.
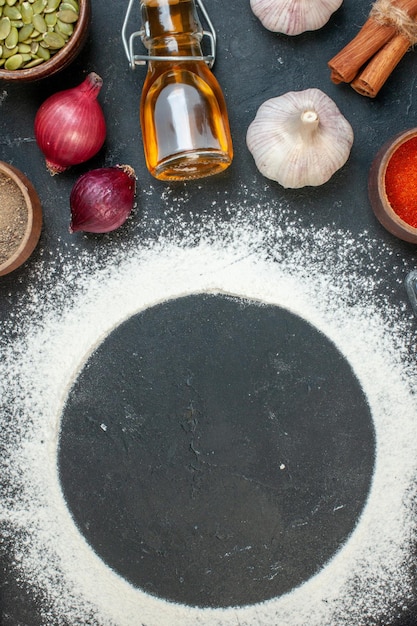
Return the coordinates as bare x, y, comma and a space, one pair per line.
20, 218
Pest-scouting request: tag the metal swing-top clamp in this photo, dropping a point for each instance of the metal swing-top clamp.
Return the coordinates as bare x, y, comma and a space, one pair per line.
142, 59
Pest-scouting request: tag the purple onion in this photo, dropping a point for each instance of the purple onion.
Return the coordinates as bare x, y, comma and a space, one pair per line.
102, 199
69, 126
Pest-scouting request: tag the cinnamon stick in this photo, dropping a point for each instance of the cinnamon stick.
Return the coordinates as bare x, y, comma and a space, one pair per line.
372, 37
377, 71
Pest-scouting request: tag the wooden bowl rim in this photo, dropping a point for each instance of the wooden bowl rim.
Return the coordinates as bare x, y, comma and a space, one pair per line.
34, 221
60, 59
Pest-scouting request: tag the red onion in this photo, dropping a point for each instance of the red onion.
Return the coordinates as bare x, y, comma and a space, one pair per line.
70, 127
101, 200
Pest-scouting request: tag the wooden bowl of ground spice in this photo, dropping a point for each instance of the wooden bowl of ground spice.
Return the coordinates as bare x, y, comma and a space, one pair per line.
20, 218
392, 185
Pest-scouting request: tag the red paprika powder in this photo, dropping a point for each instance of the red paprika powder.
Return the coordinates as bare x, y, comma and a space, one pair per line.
401, 181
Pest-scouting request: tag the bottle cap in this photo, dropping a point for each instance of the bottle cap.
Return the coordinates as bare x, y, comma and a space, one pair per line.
142, 59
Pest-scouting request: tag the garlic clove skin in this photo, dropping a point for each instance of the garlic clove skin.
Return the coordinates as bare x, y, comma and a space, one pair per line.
299, 139
293, 17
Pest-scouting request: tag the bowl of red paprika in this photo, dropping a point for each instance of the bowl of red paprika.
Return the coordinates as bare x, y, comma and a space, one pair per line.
392, 185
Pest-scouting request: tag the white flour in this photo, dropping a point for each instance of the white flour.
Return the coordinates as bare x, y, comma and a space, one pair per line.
330, 279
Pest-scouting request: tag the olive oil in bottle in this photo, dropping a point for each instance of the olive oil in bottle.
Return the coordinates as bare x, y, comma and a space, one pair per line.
183, 114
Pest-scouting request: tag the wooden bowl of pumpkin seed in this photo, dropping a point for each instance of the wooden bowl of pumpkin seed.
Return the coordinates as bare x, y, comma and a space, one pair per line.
40, 37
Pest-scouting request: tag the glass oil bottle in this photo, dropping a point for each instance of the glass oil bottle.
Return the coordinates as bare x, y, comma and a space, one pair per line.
184, 121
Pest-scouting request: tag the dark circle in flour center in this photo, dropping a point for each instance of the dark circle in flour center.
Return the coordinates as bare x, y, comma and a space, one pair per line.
216, 452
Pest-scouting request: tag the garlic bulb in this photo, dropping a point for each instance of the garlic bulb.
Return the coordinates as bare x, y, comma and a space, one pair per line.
300, 138
293, 17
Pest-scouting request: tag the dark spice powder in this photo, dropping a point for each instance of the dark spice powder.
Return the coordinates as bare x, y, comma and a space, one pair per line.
401, 182
13, 217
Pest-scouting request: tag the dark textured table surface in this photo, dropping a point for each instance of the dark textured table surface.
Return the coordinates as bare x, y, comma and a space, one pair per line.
214, 343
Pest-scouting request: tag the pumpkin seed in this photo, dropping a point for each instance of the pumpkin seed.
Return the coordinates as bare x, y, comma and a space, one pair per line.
25, 32
27, 12
38, 6
5, 27
69, 16
39, 23
14, 62
10, 2
12, 12
11, 39
67, 6
9, 53
52, 5
2, 3
65, 29
33, 63
43, 53
50, 19
54, 40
